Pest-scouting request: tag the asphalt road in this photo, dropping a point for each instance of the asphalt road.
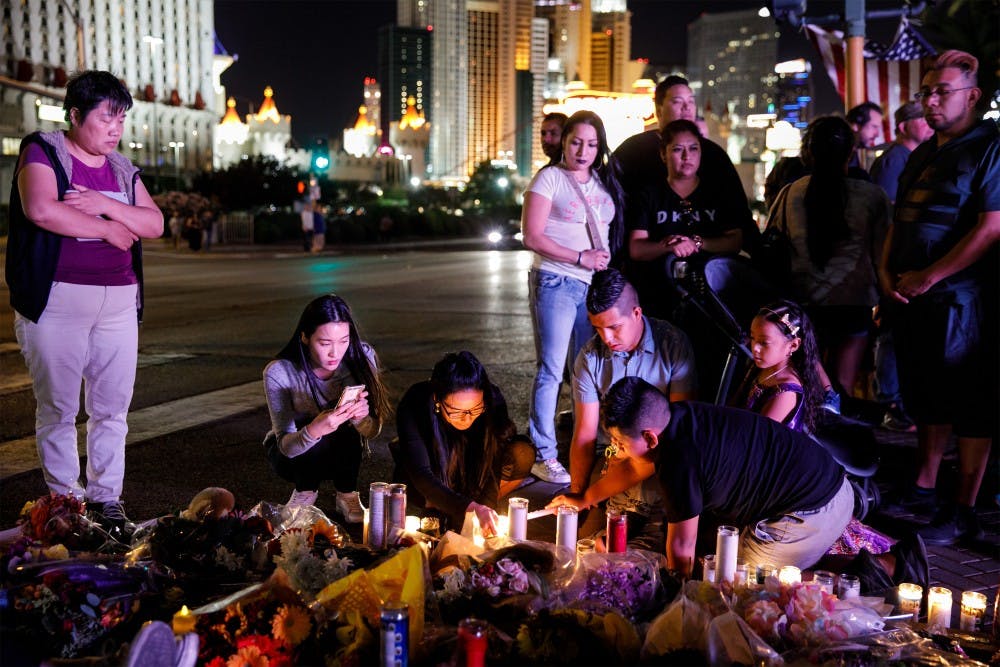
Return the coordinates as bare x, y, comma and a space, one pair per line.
213, 321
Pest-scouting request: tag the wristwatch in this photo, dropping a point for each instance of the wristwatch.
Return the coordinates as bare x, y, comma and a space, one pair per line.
698, 243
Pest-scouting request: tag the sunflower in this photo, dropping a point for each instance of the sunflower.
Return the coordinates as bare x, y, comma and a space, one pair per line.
291, 625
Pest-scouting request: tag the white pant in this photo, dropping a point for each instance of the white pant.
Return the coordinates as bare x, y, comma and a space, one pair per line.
87, 333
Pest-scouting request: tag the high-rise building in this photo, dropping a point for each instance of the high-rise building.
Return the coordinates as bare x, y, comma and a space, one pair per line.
569, 42
449, 103
731, 58
484, 83
404, 71
170, 74
610, 45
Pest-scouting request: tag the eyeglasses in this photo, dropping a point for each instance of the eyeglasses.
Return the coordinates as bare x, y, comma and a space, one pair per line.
942, 93
455, 413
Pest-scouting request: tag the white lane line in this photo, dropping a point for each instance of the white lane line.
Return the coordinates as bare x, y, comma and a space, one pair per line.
17, 456
20, 380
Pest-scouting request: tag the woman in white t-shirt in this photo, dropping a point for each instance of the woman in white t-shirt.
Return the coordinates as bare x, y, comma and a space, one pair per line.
554, 224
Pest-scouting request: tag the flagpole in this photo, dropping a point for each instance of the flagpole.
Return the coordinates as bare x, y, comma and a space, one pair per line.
854, 13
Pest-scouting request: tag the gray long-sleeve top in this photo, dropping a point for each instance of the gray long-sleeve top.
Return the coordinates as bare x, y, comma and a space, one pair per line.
293, 402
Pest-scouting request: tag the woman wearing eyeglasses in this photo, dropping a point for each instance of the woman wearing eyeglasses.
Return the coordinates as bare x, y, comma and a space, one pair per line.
458, 450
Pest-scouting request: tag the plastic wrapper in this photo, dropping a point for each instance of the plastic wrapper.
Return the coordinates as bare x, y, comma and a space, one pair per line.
682, 626
732, 642
283, 518
626, 583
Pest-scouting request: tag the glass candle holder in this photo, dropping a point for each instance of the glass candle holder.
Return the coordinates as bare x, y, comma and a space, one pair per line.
743, 578
824, 578
517, 518
378, 501
765, 570
617, 531
727, 545
472, 643
585, 546
412, 523
708, 568
566, 520
848, 586
939, 602
973, 610
789, 574
909, 599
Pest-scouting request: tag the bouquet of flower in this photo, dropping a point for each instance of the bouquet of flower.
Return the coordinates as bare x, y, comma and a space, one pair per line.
310, 560
269, 626
574, 637
625, 586
804, 614
72, 604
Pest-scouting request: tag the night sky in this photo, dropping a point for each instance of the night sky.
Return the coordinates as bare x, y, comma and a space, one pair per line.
316, 53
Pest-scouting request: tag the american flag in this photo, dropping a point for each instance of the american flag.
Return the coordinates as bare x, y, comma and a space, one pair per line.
892, 73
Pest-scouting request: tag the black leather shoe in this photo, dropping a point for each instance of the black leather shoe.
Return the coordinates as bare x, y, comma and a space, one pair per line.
950, 525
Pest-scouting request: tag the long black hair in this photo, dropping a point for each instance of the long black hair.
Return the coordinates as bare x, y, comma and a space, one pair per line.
826, 148
471, 468
791, 320
325, 310
608, 170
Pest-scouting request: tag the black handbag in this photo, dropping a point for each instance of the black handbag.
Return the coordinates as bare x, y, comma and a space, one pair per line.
773, 256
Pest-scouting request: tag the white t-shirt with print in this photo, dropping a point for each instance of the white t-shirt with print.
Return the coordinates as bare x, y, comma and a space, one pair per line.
567, 221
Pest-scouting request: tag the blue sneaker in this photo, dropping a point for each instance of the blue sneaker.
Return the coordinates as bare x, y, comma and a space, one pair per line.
831, 401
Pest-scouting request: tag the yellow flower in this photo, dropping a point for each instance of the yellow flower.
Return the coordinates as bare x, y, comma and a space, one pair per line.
291, 625
248, 656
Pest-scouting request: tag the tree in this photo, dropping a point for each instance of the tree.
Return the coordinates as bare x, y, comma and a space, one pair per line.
492, 187
972, 26
252, 183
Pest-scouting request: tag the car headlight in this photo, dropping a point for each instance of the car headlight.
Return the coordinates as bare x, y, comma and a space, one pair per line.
494, 237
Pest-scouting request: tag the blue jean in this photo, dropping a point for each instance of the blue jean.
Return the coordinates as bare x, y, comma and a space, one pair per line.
886, 381
559, 316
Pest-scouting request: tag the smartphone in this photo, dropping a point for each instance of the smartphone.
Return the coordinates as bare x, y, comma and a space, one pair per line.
350, 394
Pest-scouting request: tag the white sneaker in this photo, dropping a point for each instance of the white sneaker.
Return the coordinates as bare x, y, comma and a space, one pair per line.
550, 470
349, 506
300, 498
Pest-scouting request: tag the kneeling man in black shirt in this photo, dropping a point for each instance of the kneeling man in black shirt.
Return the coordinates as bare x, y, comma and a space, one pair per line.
790, 499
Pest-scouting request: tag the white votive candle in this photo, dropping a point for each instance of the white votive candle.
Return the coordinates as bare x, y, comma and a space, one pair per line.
727, 544
517, 518
789, 574
566, 527
412, 523
503, 526
973, 610
939, 607
909, 599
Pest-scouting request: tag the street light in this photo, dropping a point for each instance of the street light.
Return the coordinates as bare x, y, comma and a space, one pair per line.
177, 146
153, 43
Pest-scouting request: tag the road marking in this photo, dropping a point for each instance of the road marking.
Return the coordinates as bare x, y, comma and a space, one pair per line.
17, 456
20, 380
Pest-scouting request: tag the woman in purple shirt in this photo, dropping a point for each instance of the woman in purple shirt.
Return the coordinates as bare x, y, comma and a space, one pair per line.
78, 210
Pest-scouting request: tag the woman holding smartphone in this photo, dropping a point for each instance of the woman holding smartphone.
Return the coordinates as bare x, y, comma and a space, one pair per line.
319, 418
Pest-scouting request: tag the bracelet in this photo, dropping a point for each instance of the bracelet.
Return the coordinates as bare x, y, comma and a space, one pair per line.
698, 243
579, 258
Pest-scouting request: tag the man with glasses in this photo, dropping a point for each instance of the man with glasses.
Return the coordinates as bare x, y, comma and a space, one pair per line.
939, 267
627, 344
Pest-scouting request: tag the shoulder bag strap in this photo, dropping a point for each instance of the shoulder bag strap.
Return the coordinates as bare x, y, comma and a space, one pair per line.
593, 231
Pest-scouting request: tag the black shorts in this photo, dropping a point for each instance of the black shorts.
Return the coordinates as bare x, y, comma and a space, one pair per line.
946, 352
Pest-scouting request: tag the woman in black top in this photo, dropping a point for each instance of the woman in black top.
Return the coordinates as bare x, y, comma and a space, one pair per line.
458, 450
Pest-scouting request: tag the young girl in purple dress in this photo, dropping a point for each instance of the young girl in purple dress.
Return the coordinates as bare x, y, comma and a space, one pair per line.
785, 386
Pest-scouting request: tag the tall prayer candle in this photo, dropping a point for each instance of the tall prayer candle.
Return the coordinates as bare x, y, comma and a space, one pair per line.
396, 513
566, 518
909, 599
973, 610
517, 518
617, 531
378, 496
939, 607
727, 544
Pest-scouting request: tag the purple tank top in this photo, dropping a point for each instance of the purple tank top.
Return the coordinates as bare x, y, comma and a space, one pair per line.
90, 261
759, 395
